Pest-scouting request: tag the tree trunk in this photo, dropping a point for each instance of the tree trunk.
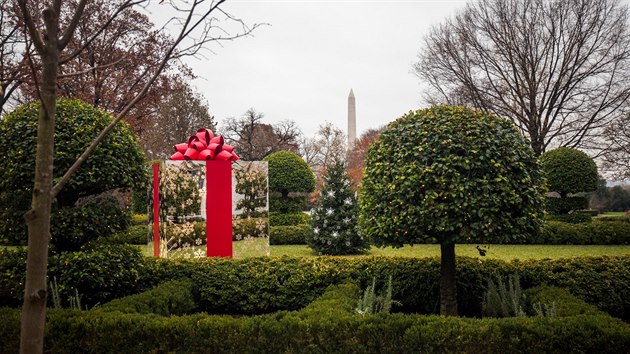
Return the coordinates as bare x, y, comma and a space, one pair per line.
448, 285
38, 218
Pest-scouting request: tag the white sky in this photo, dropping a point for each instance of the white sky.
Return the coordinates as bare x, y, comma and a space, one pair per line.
302, 66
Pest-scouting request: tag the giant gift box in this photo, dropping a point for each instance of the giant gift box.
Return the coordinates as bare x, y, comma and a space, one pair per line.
204, 146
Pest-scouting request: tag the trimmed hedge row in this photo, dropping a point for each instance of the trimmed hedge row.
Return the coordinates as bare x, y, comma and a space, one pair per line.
100, 273
563, 302
593, 233
598, 232
289, 235
576, 217
262, 285
565, 205
169, 298
290, 219
325, 326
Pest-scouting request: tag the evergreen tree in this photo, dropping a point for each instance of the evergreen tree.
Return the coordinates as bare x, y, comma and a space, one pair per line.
334, 227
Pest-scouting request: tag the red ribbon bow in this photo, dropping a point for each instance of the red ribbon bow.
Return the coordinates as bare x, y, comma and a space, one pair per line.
204, 146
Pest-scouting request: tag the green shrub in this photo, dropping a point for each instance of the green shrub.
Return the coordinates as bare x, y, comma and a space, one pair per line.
289, 219
289, 235
12, 276
593, 233
289, 205
565, 205
250, 227
569, 171
72, 227
625, 218
170, 298
288, 173
576, 217
135, 235
564, 303
139, 219
118, 162
100, 272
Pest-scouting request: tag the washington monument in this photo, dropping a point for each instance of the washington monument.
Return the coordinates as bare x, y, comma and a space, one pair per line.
352, 121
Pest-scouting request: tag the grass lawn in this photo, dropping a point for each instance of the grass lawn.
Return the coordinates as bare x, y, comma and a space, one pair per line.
611, 214
504, 252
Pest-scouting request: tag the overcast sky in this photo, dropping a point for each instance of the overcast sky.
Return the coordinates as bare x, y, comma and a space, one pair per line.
302, 66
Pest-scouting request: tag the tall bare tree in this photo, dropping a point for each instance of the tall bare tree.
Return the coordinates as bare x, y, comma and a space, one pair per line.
323, 150
180, 115
13, 52
560, 69
113, 68
254, 139
50, 31
616, 159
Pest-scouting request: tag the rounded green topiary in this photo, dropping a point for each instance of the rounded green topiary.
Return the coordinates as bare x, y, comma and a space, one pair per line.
569, 170
288, 173
118, 162
450, 174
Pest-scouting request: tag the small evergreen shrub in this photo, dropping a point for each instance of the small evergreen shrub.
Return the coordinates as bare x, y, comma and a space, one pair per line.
288, 174
289, 235
135, 235
564, 304
249, 227
576, 217
290, 219
118, 162
565, 205
73, 227
167, 299
100, 272
569, 171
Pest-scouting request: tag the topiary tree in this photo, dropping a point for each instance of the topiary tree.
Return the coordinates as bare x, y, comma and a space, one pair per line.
334, 228
450, 174
117, 163
568, 171
288, 173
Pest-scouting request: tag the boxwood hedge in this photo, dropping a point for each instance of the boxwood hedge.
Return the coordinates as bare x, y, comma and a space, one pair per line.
262, 285
328, 325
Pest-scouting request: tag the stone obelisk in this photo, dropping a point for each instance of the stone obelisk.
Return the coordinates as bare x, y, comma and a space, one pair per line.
352, 121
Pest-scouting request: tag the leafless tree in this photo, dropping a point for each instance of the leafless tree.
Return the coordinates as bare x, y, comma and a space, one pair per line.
253, 140
321, 151
616, 159
560, 69
195, 24
13, 52
180, 115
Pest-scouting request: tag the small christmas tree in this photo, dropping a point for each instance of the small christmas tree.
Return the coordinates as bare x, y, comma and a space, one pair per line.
334, 230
